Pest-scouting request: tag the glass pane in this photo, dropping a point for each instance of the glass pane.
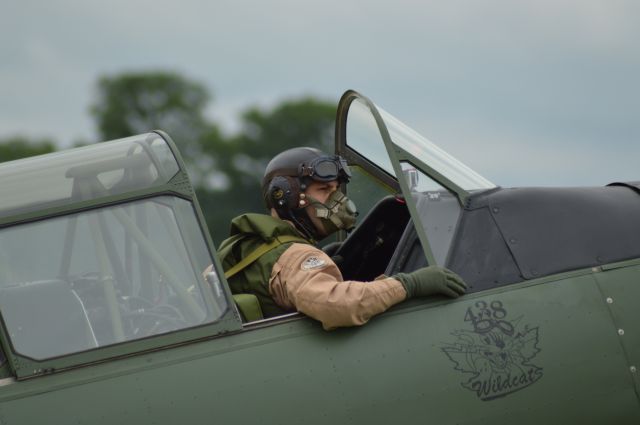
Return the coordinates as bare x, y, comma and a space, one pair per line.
364, 190
89, 172
433, 156
364, 137
438, 210
105, 276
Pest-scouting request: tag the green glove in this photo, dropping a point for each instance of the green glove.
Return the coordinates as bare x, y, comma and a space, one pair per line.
432, 280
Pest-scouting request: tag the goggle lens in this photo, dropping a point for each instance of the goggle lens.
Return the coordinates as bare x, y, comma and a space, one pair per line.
327, 169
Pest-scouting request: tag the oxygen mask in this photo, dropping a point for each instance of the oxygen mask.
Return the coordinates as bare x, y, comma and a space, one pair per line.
337, 213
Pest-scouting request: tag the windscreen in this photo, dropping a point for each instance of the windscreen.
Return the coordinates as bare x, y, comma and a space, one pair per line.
437, 205
438, 210
435, 157
106, 276
363, 136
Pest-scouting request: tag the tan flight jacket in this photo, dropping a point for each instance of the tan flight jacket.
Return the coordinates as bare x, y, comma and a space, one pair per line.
305, 279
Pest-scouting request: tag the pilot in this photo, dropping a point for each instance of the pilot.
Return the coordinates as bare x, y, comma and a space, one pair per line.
274, 256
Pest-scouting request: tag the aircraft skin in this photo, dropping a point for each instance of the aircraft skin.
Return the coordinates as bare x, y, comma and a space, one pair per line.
393, 370
560, 347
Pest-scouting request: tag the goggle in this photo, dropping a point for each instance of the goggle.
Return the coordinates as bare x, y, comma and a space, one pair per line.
326, 168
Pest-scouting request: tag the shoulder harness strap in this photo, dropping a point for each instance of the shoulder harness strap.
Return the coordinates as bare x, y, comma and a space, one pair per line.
260, 251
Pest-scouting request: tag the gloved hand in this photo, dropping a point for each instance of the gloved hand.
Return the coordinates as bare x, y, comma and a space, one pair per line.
432, 280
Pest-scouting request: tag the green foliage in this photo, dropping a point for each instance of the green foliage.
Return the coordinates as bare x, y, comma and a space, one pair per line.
307, 120
17, 147
135, 103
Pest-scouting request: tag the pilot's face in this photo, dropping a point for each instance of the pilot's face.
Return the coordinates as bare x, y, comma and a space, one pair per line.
320, 191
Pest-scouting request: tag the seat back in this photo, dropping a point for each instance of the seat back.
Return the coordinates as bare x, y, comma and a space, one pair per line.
46, 319
249, 307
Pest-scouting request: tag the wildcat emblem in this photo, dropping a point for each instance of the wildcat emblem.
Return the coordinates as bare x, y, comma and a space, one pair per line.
496, 352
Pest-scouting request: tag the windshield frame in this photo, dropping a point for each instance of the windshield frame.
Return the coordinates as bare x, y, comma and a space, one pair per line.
397, 156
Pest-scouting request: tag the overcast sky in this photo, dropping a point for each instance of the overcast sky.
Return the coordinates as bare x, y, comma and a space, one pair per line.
534, 92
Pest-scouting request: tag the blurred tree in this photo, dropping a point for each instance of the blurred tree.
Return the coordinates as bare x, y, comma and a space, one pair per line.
17, 147
243, 158
135, 103
226, 170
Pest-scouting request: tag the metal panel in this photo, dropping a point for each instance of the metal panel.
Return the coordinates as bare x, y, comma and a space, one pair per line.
565, 365
620, 288
552, 230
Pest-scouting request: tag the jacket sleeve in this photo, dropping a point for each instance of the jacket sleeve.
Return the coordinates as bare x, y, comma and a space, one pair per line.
306, 279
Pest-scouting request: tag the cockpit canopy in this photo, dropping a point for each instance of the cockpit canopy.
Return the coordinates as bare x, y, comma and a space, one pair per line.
100, 246
84, 174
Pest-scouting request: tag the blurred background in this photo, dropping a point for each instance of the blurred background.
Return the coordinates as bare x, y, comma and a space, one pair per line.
527, 93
